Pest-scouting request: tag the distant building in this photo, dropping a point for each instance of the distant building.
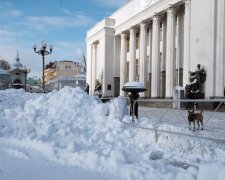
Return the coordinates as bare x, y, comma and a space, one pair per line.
58, 69
61, 82
34, 84
63, 73
14, 77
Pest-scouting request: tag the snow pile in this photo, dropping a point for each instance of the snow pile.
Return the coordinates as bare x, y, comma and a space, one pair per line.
118, 108
13, 98
73, 129
134, 84
212, 171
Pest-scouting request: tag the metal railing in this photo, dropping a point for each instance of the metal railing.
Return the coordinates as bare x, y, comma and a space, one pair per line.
210, 109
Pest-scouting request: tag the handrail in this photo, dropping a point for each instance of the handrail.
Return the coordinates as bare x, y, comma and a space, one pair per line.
181, 100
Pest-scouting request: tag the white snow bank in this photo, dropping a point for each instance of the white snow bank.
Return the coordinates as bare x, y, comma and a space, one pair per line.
211, 171
118, 108
76, 130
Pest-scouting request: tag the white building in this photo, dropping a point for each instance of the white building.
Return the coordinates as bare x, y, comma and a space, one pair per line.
157, 42
60, 82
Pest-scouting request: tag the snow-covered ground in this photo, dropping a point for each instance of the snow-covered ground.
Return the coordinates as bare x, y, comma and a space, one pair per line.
69, 135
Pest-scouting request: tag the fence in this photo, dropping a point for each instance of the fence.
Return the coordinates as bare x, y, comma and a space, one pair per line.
159, 116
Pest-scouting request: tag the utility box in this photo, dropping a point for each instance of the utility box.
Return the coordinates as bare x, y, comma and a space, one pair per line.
178, 94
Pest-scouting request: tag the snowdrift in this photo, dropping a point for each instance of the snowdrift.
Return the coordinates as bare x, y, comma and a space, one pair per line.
74, 129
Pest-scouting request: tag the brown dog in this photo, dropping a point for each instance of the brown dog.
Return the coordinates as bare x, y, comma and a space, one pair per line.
195, 117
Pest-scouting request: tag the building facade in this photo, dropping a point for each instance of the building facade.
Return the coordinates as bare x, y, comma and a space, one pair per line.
59, 74
13, 77
59, 69
34, 85
157, 42
61, 82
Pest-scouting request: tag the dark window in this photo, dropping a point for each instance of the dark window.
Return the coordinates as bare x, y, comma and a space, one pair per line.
109, 87
128, 44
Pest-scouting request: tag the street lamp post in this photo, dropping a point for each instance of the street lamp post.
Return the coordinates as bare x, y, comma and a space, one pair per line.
42, 51
26, 71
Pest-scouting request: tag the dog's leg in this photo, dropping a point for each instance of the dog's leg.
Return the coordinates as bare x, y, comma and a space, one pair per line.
202, 124
189, 125
198, 124
194, 125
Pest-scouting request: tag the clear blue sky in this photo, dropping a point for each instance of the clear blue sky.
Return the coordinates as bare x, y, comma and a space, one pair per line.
61, 23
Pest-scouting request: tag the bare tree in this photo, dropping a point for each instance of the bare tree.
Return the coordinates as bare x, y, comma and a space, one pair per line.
83, 64
4, 65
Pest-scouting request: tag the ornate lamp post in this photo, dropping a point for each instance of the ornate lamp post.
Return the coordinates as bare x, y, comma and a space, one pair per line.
26, 71
42, 51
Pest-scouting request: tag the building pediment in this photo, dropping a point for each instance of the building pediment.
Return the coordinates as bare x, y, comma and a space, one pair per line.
140, 5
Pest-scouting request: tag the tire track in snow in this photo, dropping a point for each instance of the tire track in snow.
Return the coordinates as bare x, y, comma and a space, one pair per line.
27, 149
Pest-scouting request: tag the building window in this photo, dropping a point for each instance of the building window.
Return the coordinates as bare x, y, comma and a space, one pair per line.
127, 75
147, 39
137, 65
161, 32
137, 41
109, 87
128, 44
66, 67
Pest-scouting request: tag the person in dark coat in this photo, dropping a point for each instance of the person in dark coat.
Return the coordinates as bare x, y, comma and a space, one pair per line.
98, 89
86, 89
133, 107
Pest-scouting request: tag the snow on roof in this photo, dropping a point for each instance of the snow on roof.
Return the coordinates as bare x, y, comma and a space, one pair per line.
2, 71
134, 84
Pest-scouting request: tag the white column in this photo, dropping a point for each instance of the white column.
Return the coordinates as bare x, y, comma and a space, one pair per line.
180, 42
164, 31
143, 55
150, 48
149, 68
220, 50
93, 67
132, 63
163, 64
89, 70
155, 57
170, 52
123, 62
186, 64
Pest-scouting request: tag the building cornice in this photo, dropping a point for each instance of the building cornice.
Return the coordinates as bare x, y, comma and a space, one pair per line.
106, 22
105, 31
159, 8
